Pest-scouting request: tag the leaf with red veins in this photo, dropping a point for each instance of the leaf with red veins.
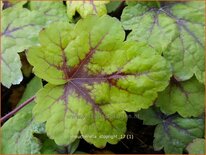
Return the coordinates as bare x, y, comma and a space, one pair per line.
50, 58
94, 77
85, 8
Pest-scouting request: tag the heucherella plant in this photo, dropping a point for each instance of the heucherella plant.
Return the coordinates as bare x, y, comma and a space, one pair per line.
93, 77
95, 63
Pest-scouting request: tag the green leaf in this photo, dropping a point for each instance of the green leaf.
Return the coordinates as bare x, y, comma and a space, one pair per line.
172, 133
94, 77
20, 28
150, 116
51, 11
187, 98
11, 68
73, 146
197, 146
113, 5
85, 8
175, 29
50, 147
16, 3
17, 132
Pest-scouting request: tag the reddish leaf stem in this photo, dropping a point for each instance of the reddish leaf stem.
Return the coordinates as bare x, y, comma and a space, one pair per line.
10, 114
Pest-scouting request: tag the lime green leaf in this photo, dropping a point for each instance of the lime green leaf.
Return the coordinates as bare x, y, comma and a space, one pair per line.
197, 146
187, 98
67, 112
85, 8
50, 59
52, 11
94, 76
20, 28
172, 133
17, 132
175, 29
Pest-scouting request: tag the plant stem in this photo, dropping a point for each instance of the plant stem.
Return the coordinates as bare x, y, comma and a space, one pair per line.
10, 114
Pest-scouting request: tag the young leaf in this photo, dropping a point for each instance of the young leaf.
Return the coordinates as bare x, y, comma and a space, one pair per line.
20, 28
17, 132
172, 133
187, 98
52, 11
94, 76
85, 8
197, 146
176, 29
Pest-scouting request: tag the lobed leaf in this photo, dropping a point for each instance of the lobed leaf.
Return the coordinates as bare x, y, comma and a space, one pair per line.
85, 8
94, 77
173, 133
17, 137
174, 29
187, 98
20, 29
51, 11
